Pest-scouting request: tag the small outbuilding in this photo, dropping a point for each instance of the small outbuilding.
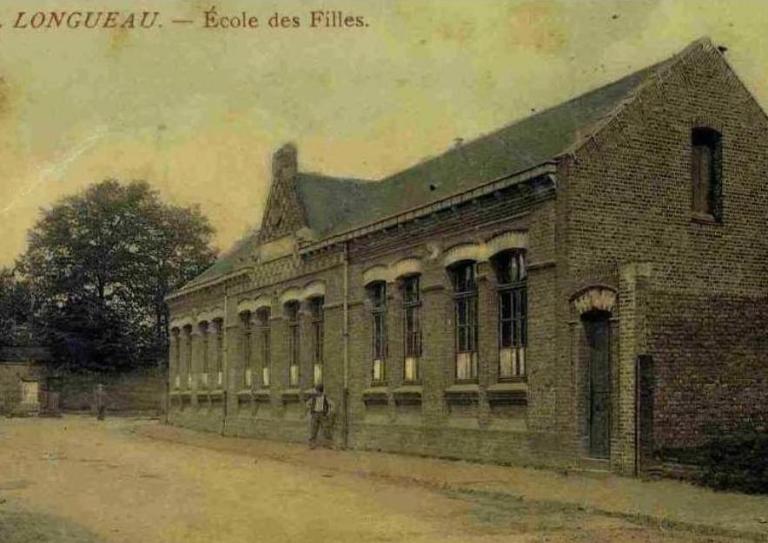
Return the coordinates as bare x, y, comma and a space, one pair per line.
25, 381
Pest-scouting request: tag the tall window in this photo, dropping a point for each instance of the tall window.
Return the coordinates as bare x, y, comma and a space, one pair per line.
206, 355
411, 328
245, 319
316, 309
377, 293
465, 319
177, 357
292, 314
188, 354
218, 361
513, 313
265, 338
706, 172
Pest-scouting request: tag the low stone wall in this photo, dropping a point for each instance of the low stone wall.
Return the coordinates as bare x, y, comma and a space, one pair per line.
137, 392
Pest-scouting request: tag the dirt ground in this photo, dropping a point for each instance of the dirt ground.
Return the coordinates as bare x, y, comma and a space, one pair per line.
76, 480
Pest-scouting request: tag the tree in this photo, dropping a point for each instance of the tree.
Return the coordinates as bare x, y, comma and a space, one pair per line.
15, 309
100, 264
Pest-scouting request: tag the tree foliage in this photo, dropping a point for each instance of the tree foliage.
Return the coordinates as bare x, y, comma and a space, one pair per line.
100, 264
15, 309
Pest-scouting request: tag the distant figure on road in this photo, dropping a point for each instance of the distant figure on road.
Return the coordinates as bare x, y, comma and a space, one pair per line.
100, 398
320, 408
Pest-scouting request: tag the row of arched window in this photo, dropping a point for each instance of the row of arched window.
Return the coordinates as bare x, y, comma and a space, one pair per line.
511, 315
511, 319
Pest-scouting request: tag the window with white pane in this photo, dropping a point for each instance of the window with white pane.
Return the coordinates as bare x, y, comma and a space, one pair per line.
463, 276
511, 275
218, 358
292, 316
177, 356
188, 354
265, 338
411, 297
377, 294
203, 327
245, 321
317, 314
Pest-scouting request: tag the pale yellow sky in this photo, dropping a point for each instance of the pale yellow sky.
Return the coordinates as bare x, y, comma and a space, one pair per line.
78, 106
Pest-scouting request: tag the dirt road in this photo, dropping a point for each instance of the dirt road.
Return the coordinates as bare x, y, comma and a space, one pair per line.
81, 481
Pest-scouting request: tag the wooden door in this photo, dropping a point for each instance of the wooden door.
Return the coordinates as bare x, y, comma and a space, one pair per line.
599, 339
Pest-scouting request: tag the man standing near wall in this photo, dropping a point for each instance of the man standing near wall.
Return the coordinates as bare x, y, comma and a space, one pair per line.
320, 408
100, 398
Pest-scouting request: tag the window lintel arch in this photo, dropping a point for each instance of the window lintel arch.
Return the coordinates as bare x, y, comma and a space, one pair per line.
376, 274
291, 294
463, 252
313, 289
406, 267
513, 240
595, 298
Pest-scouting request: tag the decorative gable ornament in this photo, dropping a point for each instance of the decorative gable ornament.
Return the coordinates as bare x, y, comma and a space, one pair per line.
284, 214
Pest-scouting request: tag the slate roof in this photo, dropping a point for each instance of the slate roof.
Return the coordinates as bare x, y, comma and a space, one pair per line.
519, 146
333, 205
236, 257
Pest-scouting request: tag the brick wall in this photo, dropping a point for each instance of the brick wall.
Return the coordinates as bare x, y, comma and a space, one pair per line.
140, 391
620, 218
710, 359
627, 199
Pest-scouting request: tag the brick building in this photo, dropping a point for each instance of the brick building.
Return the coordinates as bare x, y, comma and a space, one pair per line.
586, 286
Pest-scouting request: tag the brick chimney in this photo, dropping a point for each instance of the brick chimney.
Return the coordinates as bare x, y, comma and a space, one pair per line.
285, 162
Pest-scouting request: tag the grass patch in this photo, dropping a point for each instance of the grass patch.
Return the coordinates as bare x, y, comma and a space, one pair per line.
29, 527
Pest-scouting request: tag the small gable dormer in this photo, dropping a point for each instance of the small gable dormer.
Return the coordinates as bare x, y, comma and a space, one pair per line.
284, 214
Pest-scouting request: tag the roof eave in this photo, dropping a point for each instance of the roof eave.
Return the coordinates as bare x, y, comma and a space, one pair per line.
547, 168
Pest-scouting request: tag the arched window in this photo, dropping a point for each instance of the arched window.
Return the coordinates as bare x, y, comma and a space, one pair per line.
411, 297
265, 338
465, 319
203, 328
292, 315
317, 313
706, 173
245, 322
188, 353
176, 357
377, 294
218, 359
510, 267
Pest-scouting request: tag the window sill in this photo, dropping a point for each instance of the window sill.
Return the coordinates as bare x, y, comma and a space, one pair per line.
244, 392
376, 396
407, 390
261, 395
508, 393
508, 386
463, 393
704, 218
376, 390
291, 393
407, 395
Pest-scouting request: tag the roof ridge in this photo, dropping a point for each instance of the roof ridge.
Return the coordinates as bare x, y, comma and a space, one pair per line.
654, 72
325, 176
702, 41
